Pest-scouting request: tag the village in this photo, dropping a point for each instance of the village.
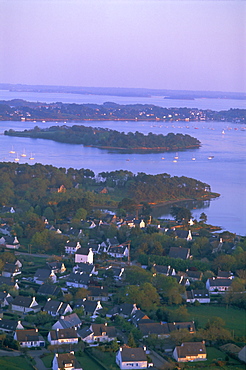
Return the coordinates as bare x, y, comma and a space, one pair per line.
99, 304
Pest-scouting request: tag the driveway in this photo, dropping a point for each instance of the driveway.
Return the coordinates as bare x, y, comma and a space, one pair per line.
36, 356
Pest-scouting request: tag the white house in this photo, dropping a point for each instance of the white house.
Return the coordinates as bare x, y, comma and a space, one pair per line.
44, 275
69, 321
190, 351
215, 285
200, 295
71, 247
65, 361
25, 304
98, 333
84, 255
63, 336
131, 358
55, 308
29, 338
119, 251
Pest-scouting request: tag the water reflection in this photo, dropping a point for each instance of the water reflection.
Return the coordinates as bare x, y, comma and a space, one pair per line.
163, 211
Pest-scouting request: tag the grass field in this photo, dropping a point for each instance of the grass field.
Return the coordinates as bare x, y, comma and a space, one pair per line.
14, 363
234, 318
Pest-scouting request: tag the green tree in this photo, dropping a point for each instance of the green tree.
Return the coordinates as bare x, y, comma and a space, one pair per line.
203, 217
131, 341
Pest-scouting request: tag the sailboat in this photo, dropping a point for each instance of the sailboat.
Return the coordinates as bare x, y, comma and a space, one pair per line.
23, 154
176, 156
12, 151
31, 158
17, 158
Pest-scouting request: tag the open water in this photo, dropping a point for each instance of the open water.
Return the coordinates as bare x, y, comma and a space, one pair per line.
223, 141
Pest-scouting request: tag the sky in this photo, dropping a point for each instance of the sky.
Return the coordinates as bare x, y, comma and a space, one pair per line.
159, 44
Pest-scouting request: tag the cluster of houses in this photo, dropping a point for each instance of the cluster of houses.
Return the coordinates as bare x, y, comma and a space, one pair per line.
68, 327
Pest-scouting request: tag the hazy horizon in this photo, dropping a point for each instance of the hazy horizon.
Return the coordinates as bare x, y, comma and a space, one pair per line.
189, 45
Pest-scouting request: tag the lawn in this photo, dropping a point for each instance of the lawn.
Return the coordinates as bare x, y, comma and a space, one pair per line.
86, 362
15, 363
213, 355
234, 317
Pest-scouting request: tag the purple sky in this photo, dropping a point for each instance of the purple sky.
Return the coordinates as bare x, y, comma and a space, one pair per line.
188, 45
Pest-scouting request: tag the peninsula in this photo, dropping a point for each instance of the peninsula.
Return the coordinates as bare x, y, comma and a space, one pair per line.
17, 110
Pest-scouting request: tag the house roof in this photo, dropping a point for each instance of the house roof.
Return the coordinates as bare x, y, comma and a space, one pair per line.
65, 359
194, 274
179, 252
8, 324
99, 329
191, 349
42, 274
84, 332
79, 278
49, 289
4, 280
68, 333
189, 325
133, 354
56, 265
197, 294
85, 267
55, 306
97, 291
118, 250
70, 321
22, 301
31, 335
220, 282
137, 316
90, 306
154, 328
84, 251
124, 309
224, 274
10, 267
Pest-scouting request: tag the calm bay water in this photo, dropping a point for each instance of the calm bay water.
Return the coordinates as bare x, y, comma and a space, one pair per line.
224, 141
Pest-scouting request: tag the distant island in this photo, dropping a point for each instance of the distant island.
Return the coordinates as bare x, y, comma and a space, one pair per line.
105, 138
17, 109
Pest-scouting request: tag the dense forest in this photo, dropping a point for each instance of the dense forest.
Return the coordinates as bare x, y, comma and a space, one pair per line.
17, 109
65, 191
105, 138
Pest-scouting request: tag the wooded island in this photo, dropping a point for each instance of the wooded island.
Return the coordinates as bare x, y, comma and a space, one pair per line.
105, 138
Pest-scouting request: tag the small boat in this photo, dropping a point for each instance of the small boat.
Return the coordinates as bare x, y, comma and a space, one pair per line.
12, 151
177, 156
193, 158
223, 132
175, 161
31, 158
17, 159
162, 158
23, 154
211, 157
